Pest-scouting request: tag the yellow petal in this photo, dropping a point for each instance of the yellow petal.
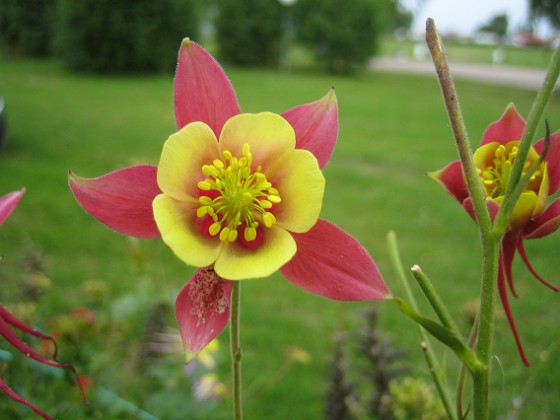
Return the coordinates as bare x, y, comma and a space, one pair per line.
238, 263
485, 154
268, 136
184, 153
177, 223
543, 191
523, 210
301, 186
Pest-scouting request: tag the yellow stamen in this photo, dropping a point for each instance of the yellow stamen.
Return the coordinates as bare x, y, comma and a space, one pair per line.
495, 177
245, 196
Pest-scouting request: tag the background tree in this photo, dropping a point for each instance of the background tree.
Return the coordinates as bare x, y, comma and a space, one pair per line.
123, 36
497, 25
343, 34
398, 19
26, 26
546, 9
249, 32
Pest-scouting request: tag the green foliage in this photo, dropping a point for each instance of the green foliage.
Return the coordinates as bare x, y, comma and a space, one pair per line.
26, 26
249, 32
415, 399
124, 36
547, 9
497, 25
342, 41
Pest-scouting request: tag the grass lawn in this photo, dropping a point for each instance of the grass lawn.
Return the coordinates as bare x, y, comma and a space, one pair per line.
393, 129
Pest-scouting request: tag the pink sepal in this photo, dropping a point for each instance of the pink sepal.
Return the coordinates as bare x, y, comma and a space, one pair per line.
316, 126
202, 309
8, 203
20, 325
14, 340
452, 178
18, 398
202, 90
11, 337
121, 199
508, 128
333, 264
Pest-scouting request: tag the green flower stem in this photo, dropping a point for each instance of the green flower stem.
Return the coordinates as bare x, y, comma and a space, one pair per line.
489, 239
474, 185
235, 343
435, 301
537, 109
428, 352
490, 258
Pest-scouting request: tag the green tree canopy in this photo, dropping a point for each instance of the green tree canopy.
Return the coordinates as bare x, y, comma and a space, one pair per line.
123, 36
546, 9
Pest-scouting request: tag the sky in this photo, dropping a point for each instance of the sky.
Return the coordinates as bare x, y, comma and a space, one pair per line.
465, 16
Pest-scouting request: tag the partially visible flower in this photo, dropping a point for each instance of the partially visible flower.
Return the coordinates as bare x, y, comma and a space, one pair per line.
531, 218
8, 203
9, 323
208, 387
238, 195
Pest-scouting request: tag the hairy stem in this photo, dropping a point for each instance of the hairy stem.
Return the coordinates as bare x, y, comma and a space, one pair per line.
235, 343
458, 125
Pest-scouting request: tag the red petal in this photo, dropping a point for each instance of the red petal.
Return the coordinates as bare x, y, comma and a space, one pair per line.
333, 264
8, 203
12, 320
202, 310
505, 303
122, 199
552, 159
202, 89
14, 396
523, 254
508, 128
509, 245
452, 178
546, 223
316, 126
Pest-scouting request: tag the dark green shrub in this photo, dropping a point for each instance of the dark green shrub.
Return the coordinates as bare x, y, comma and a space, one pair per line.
26, 26
343, 34
123, 36
249, 31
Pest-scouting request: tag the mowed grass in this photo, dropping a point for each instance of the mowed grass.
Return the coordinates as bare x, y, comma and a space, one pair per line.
393, 129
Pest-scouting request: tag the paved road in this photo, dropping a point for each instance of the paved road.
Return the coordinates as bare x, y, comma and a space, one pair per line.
519, 77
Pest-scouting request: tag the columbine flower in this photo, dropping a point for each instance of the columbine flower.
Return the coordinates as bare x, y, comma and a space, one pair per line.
9, 322
531, 218
238, 195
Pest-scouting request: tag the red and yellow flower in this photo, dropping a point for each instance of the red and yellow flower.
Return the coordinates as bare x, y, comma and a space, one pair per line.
237, 195
531, 218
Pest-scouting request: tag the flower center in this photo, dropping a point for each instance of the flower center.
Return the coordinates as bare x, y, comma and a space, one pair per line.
236, 197
495, 177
